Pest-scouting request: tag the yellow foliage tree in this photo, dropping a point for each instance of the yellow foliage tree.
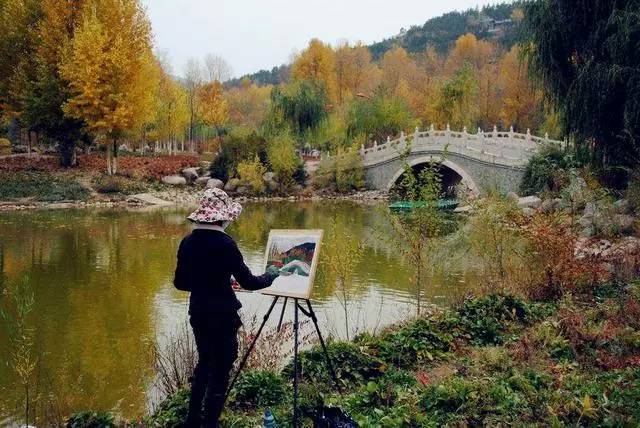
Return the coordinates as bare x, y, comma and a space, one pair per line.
171, 112
482, 56
468, 49
317, 63
146, 93
214, 109
18, 42
108, 69
60, 18
402, 76
522, 105
248, 103
353, 70
455, 103
282, 157
251, 173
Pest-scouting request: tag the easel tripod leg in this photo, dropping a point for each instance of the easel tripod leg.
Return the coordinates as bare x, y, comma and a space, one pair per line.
324, 346
284, 306
245, 357
295, 364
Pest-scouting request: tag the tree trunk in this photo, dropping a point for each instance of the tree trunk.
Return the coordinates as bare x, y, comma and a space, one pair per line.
109, 156
67, 152
114, 165
29, 142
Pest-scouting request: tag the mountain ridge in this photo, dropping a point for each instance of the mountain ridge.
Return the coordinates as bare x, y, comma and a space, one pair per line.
491, 22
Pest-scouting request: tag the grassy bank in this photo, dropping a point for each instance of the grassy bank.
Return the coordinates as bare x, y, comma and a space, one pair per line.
41, 179
491, 361
41, 186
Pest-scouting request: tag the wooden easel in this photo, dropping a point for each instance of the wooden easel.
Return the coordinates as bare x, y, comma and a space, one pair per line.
310, 314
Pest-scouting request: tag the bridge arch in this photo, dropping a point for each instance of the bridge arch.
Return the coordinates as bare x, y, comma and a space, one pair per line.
464, 175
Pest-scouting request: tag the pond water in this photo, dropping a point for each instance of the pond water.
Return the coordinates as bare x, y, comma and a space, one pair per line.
102, 286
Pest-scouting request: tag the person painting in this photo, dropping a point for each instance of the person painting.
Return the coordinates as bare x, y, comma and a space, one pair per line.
207, 258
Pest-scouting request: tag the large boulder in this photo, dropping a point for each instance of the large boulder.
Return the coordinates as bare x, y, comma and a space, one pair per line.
190, 174
174, 180
232, 185
621, 223
214, 183
272, 186
590, 209
587, 220
551, 205
269, 176
532, 202
202, 181
622, 206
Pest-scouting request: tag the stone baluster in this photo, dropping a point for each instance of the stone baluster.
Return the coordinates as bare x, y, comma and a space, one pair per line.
362, 149
403, 139
375, 146
447, 134
527, 138
481, 136
546, 137
416, 134
466, 137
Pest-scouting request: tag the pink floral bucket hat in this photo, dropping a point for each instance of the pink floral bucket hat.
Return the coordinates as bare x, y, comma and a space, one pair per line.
216, 205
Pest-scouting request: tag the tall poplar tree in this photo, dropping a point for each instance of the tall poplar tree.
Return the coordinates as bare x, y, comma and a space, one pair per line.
48, 91
108, 69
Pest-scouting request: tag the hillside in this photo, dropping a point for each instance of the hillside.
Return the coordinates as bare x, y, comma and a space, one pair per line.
488, 23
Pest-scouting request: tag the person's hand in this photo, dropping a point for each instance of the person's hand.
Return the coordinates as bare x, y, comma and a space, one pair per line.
272, 273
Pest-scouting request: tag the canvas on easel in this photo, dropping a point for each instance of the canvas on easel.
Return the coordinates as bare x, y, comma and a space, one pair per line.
295, 253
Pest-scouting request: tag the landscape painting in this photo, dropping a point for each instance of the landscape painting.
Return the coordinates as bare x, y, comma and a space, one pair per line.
295, 254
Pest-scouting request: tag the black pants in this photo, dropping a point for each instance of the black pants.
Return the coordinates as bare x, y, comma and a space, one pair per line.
217, 342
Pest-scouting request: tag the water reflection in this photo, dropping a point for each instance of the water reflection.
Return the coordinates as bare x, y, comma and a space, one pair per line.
102, 285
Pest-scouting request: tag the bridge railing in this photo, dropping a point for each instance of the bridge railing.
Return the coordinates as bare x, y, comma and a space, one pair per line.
506, 148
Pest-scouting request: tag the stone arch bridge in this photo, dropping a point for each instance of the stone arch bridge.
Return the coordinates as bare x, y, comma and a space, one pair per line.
481, 161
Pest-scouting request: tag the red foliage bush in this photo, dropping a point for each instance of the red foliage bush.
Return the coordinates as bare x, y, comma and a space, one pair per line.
552, 256
24, 163
146, 167
604, 335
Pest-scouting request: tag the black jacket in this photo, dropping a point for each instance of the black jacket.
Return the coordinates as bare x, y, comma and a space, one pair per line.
206, 261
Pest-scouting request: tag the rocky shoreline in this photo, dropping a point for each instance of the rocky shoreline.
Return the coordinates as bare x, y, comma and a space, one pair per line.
180, 198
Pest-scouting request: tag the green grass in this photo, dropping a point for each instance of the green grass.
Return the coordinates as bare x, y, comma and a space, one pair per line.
40, 186
491, 361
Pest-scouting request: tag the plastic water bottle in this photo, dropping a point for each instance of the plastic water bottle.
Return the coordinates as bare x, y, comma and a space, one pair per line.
268, 421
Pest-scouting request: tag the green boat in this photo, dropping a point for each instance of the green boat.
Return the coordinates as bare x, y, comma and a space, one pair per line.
442, 204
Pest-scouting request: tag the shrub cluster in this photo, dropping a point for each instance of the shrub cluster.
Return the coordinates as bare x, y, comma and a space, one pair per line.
548, 170
109, 184
341, 172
